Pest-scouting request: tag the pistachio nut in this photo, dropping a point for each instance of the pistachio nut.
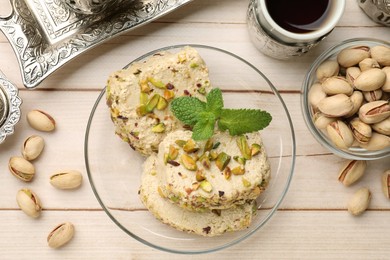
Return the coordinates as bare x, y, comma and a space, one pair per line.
352, 171
316, 94
374, 112
222, 160
206, 186
336, 106
60, 235
386, 183
357, 101
66, 180
383, 127
41, 121
377, 142
29, 203
368, 63
386, 86
337, 85
351, 74
381, 54
360, 130
352, 56
188, 162
373, 95
327, 69
32, 147
321, 121
243, 145
21, 168
371, 79
340, 134
359, 202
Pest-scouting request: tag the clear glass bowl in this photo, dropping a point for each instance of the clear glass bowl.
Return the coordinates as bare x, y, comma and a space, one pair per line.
353, 153
114, 169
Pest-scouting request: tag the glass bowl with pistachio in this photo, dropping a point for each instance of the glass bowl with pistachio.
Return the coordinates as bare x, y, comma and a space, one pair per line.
345, 99
189, 149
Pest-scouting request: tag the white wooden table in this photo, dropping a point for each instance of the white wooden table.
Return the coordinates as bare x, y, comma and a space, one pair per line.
312, 222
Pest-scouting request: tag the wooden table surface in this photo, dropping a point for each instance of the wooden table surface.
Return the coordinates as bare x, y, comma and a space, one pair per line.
312, 222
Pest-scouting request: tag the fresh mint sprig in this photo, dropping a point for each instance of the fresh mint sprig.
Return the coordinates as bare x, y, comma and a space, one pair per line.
202, 116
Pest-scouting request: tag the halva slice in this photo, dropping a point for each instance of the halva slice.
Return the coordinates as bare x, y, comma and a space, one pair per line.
207, 223
215, 174
139, 96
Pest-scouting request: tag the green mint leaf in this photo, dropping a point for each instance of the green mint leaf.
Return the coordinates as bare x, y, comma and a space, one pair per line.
214, 102
241, 121
204, 128
187, 109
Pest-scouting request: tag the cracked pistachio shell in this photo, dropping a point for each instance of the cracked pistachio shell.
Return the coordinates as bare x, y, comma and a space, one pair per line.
386, 183
60, 235
321, 121
41, 121
327, 69
21, 168
386, 86
371, 79
337, 85
359, 202
352, 171
316, 94
335, 106
32, 147
368, 63
352, 56
29, 203
383, 127
360, 130
357, 101
373, 95
66, 180
340, 134
351, 74
381, 54
377, 142
374, 112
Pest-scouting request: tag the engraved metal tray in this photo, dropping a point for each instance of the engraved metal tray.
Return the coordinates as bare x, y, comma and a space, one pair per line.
45, 34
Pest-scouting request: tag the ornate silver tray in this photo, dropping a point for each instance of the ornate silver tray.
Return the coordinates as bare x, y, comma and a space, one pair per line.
45, 34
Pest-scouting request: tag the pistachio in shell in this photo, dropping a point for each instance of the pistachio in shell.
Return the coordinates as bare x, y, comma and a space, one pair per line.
60, 235
371, 79
316, 94
32, 147
368, 63
381, 54
382, 127
29, 203
337, 85
352, 171
41, 121
386, 86
340, 134
327, 69
352, 56
359, 202
336, 106
374, 112
21, 168
360, 130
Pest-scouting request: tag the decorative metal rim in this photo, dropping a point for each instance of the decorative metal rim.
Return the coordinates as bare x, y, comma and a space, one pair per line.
12, 104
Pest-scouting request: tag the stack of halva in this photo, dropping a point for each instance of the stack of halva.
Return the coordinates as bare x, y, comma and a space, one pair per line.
203, 187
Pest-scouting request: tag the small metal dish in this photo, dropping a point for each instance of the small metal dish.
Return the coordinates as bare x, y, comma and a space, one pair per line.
9, 107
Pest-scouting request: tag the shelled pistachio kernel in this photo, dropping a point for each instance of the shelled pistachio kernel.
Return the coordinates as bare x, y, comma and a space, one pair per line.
386, 183
29, 203
41, 121
21, 168
60, 235
66, 180
352, 171
359, 202
32, 147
